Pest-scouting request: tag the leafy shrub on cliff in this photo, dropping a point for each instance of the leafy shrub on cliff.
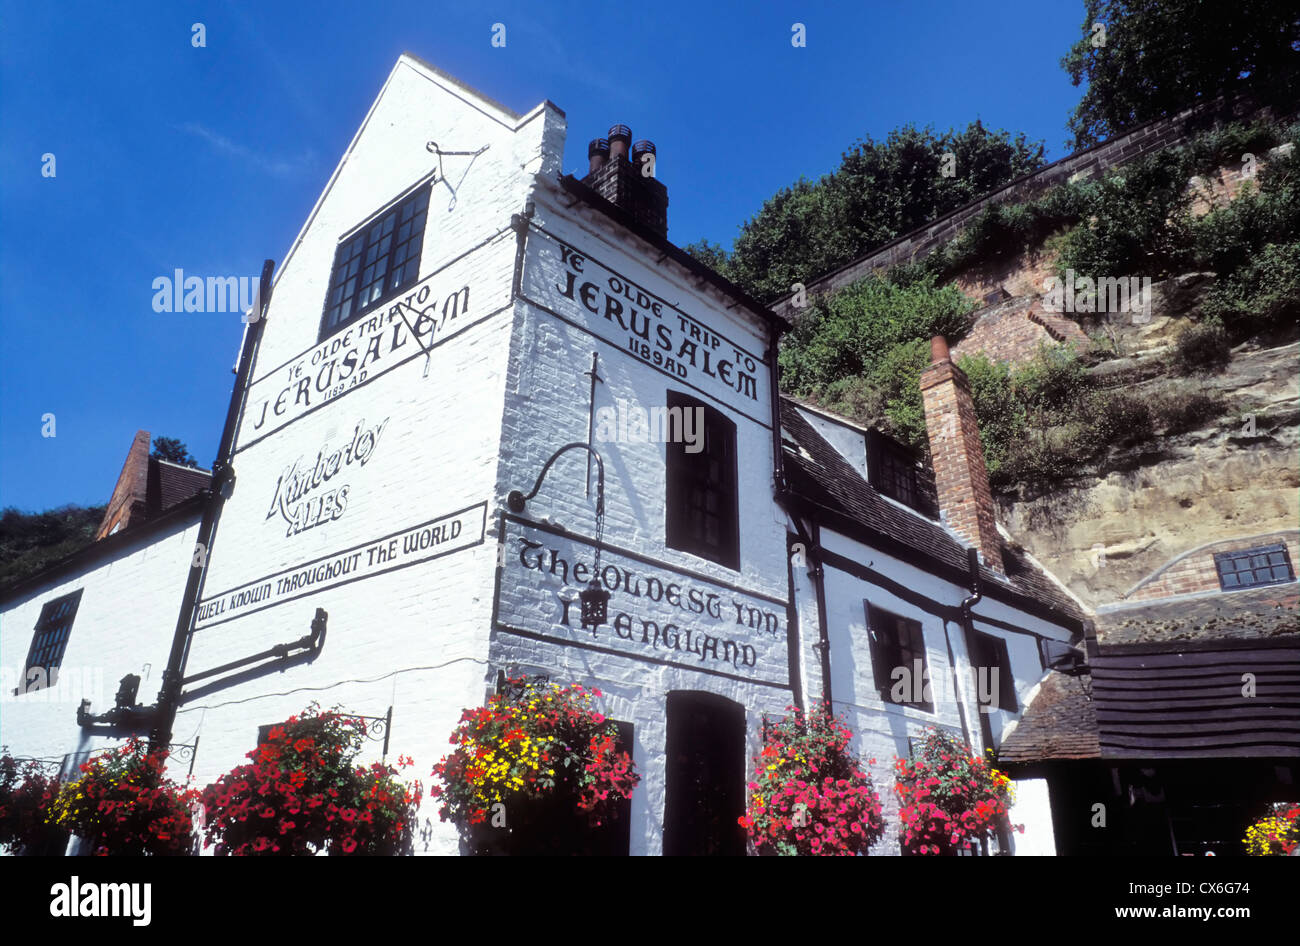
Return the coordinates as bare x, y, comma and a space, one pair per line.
853, 331
1225, 145
1203, 346
889, 397
1002, 415
1263, 294
1180, 407
1136, 221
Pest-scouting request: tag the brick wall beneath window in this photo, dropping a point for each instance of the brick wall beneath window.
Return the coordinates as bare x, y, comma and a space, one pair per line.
1196, 572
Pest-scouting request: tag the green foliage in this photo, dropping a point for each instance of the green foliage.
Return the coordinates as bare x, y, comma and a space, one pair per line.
1226, 145
712, 255
1163, 55
850, 332
1002, 416
880, 190
1006, 229
1263, 294
30, 542
173, 450
1233, 237
1136, 221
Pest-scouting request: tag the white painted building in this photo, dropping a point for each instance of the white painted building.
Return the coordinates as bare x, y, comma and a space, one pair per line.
428, 348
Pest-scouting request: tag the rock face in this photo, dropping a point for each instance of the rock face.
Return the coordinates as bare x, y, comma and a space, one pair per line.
1236, 475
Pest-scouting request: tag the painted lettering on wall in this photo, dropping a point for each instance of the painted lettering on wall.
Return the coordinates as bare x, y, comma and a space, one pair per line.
655, 612
429, 312
419, 543
627, 314
299, 497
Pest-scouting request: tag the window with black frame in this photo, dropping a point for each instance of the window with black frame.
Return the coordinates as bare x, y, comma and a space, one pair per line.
376, 262
898, 642
995, 687
894, 471
702, 514
1250, 568
49, 641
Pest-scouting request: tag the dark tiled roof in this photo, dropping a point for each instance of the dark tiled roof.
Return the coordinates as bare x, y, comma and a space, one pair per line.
171, 483
1210, 698
817, 472
1059, 723
1255, 613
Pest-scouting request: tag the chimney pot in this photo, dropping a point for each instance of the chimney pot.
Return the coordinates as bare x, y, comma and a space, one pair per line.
620, 137
939, 350
597, 154
625, 184
640, 148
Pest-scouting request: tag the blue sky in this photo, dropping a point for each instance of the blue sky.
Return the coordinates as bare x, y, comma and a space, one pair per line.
209, 159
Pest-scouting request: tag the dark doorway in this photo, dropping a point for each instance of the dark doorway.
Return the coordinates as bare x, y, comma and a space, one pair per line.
706, 776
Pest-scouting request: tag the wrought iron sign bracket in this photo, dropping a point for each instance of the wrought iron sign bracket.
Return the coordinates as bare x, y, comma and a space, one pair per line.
432, 148
594, 598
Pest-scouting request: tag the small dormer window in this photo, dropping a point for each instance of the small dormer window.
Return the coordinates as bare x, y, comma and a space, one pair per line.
376, 261
1250, 568
894, 471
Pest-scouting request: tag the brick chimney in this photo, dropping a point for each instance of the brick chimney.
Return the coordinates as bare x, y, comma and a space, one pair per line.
129, 495
957, 454
624, 174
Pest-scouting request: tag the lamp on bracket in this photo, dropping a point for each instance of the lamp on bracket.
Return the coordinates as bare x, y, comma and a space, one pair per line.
594, 598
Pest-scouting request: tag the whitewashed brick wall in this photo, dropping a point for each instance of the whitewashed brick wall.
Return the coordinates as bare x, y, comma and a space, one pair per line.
454, 432
123, 625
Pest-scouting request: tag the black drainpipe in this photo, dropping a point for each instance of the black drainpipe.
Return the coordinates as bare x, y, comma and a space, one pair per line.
976, 595
222, 480
812, 540
818, 573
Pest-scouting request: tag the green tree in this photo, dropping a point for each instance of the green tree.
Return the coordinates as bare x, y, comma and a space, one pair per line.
173, 450
1160, 56
879, 191
30, 542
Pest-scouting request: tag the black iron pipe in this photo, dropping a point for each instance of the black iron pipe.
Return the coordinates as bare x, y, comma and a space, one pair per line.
170, 692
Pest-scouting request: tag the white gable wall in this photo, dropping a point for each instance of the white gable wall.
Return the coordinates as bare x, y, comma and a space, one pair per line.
401, 562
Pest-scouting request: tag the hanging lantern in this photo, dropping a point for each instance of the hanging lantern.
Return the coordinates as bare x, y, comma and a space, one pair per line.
595, 604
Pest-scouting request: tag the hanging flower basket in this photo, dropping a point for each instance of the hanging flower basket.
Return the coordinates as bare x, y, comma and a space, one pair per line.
123, 805
950, 801
537, 770
304, 794
1276, 834
810, 795
26, 791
